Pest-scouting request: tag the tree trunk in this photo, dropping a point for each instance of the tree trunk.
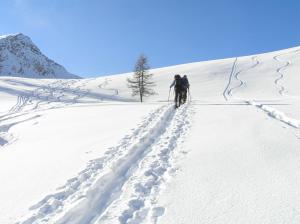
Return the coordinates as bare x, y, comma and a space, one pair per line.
142, 86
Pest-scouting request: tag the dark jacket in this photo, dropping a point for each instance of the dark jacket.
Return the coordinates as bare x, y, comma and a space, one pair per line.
185, 82
177, 83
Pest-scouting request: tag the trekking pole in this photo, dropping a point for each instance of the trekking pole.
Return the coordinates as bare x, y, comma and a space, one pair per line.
169, 94
190, 97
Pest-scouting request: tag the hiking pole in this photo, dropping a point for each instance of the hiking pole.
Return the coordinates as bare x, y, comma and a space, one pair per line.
169, 94
190, 97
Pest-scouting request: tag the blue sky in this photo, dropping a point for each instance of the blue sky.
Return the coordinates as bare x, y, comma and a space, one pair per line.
99, 37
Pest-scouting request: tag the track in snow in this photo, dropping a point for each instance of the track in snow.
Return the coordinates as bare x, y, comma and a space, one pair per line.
86, 198
226, 91
6, 122
276, 114
137, 200
105, 83
273, 113
236, 76
281, 75
21, 102
279, 70
54, 95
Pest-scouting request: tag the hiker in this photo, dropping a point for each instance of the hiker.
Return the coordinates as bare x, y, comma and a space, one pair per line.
185, 87
177, 83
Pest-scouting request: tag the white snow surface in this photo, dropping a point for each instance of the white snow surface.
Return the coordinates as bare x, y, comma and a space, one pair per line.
86, 151
20, 57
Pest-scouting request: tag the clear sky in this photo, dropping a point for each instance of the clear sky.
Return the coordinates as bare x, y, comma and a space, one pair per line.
99, 37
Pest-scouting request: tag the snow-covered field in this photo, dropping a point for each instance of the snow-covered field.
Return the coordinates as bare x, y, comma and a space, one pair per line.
85, 151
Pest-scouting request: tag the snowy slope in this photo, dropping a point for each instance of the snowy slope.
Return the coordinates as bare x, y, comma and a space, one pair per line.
85, 151
20, 57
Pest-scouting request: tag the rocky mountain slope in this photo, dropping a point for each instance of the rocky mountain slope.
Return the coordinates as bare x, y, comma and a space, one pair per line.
20, 57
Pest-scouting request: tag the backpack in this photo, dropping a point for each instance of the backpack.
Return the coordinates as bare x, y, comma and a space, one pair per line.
178, 82
185, 83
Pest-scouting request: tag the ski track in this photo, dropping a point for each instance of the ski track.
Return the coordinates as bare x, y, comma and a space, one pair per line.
21, 102
281, 75
225, 93
92, 190
46, 97
279, 70
114, 92
236, 76
137, 200
57, 94
7, 138
105, 83
276, 114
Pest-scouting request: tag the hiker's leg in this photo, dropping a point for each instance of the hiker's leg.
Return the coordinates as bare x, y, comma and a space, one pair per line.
180, 97
184, 96
176, 97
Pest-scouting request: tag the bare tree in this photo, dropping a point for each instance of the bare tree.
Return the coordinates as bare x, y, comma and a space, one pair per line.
141, 82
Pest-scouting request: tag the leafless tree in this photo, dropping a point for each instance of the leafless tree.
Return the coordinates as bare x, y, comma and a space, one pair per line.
141, 82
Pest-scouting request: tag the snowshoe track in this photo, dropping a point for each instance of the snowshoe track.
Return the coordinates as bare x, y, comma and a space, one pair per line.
137, 202
86, 198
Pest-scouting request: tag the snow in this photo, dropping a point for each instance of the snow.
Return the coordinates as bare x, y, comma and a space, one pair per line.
246, 175
86, 151
20, 57
276, 114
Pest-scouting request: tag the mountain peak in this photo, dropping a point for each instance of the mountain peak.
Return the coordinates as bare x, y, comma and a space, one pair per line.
15, 35
19, 56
